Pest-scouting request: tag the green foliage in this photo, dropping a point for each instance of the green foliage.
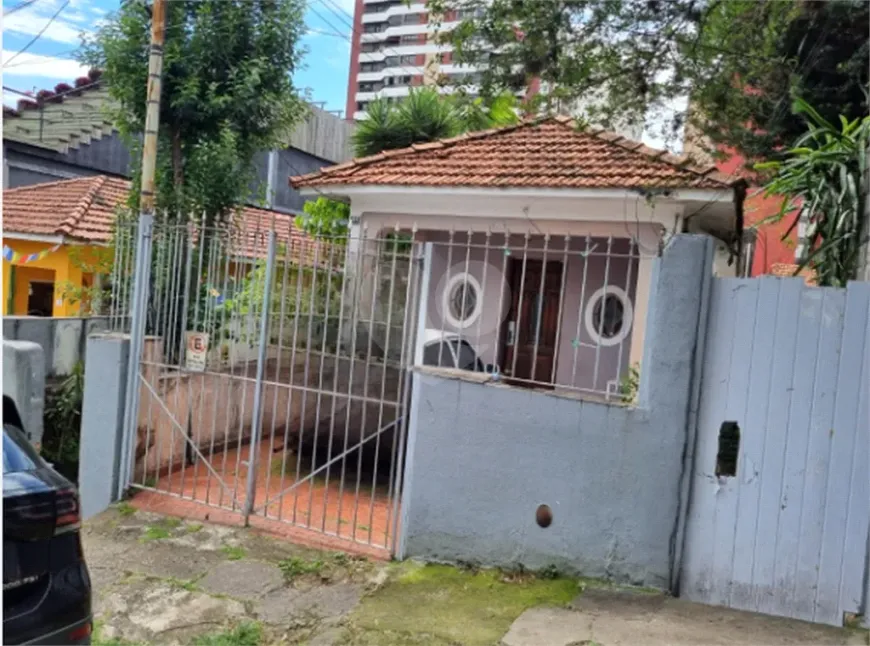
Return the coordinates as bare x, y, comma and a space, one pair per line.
61, 437
324, 217
426, 115
96, 261
630, 384
227, 92
247, 633
233, 552
823, 177
627, 60
295, 566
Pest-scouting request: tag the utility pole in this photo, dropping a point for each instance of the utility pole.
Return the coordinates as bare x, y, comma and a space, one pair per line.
142, 268
152, 115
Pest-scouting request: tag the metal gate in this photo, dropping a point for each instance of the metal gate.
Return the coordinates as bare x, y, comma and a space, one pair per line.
271, 378
778, 516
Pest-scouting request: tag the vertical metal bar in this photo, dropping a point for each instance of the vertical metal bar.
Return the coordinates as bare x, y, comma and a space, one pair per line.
257, 415
601, 318
182, 346
379, 243
482, 294
419, 308
299, 266
312, 306
519, 312
628, 295
502, 288
447, 283
251, 315
276, 388
561, 309
406, 361
576, 341
355, 306
337, 366
383, 393
313, 288
539, 313
225, 381
328, 298
464, 296
140, 301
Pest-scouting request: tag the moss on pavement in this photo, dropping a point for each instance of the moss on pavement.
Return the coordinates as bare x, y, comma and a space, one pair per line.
439, 604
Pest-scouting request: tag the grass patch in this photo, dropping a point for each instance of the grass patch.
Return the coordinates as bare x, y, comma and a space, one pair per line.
296, 566
233, 552
154, 533
455, 606
125, 508
183, 584
193, 529
161, 529
247, 633
98, 639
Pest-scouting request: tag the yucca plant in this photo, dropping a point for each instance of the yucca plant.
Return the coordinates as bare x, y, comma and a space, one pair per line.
822, 180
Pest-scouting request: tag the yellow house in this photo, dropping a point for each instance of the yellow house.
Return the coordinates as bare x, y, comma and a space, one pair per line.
57, 237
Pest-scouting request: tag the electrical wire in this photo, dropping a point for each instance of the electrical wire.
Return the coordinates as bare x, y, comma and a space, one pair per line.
39, 35
21, 5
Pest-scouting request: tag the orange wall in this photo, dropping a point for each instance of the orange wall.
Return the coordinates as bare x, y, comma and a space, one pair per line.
770, 248
57, 266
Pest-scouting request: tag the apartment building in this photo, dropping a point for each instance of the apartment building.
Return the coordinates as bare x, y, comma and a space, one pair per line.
394, 48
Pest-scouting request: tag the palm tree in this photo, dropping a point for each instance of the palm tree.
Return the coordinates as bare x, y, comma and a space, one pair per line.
426, 115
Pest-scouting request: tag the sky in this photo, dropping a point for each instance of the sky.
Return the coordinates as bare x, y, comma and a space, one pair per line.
51, 58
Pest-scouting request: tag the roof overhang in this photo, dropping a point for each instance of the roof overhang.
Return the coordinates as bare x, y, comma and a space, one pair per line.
34, 237
340, 191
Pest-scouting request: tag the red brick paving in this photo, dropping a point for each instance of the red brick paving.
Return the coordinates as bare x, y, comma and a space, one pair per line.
324, 523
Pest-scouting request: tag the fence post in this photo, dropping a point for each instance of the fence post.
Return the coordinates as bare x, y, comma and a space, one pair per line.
138, 315
257, 413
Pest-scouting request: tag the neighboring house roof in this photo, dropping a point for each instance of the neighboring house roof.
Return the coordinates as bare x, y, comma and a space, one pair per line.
74, 115
70, 116
543, 153
83, 209
787, 270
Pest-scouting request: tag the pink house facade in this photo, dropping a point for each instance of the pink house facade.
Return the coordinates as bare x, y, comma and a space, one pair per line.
538, 242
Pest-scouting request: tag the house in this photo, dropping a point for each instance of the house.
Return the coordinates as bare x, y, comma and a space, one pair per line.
57, 239
540, 240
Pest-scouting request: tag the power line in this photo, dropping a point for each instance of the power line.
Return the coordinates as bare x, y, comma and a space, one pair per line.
21, 5
39, 35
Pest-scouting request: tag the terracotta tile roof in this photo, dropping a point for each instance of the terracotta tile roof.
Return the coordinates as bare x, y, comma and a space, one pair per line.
84, 209
544, 153
788, 270
81, 208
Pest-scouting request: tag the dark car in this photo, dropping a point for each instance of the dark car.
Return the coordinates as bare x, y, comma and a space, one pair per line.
46, 587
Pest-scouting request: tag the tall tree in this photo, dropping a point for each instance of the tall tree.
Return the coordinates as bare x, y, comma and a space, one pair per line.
227, 92
623, 59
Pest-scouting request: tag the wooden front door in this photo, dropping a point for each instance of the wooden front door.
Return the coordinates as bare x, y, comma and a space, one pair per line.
533, 321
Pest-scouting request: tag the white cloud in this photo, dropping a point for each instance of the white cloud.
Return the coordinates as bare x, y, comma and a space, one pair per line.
49, 67
33, 18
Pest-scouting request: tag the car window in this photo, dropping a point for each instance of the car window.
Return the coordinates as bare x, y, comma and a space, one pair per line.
18, 454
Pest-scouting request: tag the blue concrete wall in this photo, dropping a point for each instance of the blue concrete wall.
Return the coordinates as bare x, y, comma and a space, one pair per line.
482, 458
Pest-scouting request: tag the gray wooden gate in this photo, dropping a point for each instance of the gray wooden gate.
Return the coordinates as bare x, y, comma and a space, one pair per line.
789, 367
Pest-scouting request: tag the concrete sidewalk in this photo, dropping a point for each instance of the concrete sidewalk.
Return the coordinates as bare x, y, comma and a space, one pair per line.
163, 580
618, 617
